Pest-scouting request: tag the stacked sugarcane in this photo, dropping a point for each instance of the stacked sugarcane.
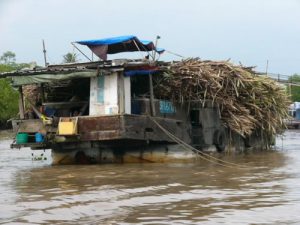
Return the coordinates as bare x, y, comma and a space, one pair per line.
32, 93
247, 101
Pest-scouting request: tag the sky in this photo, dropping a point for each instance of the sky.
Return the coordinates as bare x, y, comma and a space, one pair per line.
251, 32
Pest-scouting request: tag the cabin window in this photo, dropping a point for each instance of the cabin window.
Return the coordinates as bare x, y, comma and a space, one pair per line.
194, 117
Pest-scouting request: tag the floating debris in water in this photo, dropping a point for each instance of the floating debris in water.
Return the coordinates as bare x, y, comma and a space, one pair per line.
38, 157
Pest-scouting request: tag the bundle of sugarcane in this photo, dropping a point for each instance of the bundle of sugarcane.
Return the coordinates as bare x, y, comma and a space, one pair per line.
247, 101
32, 93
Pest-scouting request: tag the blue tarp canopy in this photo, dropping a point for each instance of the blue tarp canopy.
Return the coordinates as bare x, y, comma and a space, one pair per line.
139, 72
130, 43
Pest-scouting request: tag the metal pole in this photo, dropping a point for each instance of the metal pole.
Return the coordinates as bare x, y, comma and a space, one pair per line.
155, 46
21, 104
152, 105
138, 48
81, 51
44, 51
153, 113
267, 67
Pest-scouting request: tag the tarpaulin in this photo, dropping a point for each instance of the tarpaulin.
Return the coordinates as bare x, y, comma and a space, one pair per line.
48, 78
113, 45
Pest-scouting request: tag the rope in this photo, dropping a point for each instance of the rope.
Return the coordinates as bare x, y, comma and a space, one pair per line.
173, 53
186, 146
201, 154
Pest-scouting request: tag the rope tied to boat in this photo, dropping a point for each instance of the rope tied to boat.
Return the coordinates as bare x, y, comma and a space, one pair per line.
200, 154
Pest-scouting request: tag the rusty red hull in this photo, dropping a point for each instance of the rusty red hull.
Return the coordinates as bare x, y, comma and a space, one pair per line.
129, 127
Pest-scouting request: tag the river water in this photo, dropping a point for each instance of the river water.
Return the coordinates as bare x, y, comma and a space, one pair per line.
267, 192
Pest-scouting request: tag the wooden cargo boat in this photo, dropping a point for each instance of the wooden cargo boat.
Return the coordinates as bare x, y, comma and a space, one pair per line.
106, 111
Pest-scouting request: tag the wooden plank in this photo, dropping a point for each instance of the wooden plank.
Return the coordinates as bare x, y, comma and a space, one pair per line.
32, 126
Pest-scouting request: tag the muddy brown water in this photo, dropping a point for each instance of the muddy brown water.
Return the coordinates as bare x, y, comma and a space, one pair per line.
35, 192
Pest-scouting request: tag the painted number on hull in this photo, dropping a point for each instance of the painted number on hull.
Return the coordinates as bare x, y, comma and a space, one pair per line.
166, 107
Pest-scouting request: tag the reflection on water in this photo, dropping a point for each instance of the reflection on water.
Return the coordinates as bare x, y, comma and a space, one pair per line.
267, 193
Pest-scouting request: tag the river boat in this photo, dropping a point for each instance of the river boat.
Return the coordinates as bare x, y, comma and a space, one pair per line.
106, 112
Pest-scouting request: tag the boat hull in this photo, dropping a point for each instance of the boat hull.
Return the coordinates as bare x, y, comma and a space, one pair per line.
166, 153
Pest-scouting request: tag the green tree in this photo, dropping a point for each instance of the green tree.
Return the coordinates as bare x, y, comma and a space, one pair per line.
8, 57
8, 97
8, 101
14, 66
6, 68
294, 90
70, 58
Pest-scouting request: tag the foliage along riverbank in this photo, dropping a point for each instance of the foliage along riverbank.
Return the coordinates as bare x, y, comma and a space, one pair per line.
8, 98
8, 95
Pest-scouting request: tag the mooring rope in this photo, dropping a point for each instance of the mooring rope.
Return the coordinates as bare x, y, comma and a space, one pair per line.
201, 154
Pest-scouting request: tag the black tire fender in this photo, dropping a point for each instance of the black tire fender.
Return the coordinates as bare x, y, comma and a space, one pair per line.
220, 140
